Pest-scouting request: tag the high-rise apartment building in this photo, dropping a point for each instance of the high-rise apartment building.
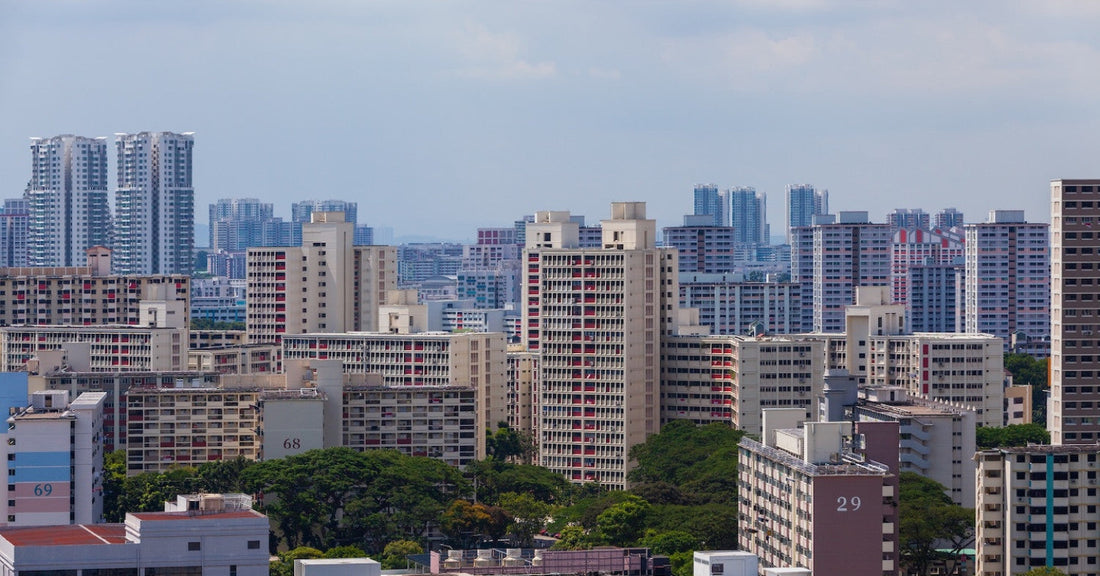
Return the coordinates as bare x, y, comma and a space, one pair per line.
1074, 415
710, 201
705, 248
67, 200
749, 216
947, 219
847, 254
920, 246
154, 204
729, 305
237, 224
302, 211
14, 220
1008, 280
803, 202
908, 218
822, 497
325, 285
931, 297
597, 316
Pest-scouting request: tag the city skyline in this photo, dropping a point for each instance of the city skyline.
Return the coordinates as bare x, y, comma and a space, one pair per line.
450, 118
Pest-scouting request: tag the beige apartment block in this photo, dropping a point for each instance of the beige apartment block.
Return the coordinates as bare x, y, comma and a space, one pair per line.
86, 295
242, 359
100, 348
201, 339
597, 316
1037, 506
408, 362
189, 426
1075, 313
523, 388
326, 285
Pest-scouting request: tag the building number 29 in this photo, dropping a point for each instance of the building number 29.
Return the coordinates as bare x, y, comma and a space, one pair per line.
848, 504
292, 443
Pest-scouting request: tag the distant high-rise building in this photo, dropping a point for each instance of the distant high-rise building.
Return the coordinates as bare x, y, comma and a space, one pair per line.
1074, 416
705, 248
846, 253
947, 218
301, 211
908, 218
749, 216
1008, 280
710, 201
920, 246
67, 203
237, 224
803, 202
154, 204
14, 218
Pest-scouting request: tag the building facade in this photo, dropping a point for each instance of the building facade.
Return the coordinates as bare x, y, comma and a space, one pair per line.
749, 216
154, 204
702, 249
729, 305
67, 205
847, 254
803, 202
712, 202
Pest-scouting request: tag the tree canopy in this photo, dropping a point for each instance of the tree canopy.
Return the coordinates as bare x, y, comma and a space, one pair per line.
927, 518
1014, 435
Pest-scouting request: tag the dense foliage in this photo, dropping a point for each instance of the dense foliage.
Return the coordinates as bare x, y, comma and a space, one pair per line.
1014, 435
928, 520
208, 324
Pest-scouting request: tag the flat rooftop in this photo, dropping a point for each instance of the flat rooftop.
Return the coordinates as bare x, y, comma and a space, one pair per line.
232, 514
67, 535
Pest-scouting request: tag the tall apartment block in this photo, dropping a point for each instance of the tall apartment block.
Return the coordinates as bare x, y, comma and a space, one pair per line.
302, 212
802, 272
54, 455
326, 285
847, 254
597, 316
1036, 506
702, 247
237, 224
1008, 280
67, 200
1074, 416
803, 202
749, 216
821, 497
920, 247
90, 295
710, 201
931, 297
154, 204
729, 305
14, 228
947, 218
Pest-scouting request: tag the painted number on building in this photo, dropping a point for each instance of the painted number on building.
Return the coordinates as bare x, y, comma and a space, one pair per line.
292, 443
848, 504
43, 489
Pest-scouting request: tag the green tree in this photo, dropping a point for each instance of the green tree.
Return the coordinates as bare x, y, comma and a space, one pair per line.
927, 517
464, 522
1030, 371
528, 516
1014, 435
284, 566
114, 485
509, 445
701, 461
1044, 571
345, 552
395, 554
622, 524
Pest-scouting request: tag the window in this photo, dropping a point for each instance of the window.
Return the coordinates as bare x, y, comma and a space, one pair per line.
253, 544
194, 546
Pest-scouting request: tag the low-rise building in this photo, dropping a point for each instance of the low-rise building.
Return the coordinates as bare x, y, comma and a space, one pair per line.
103, 348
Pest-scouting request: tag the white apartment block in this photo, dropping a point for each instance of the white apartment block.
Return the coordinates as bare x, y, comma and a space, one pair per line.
154, 204
189, 426
917, 247
1074, 415
597, 316
240, 359
325, 285
68, 210
99, 348
937, 439
54, 455
1008, 279
206, 540
1037, 506
729, 305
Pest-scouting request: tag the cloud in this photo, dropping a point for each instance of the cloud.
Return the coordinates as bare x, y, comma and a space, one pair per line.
489, 55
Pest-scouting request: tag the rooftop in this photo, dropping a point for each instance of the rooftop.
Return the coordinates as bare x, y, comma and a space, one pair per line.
192, 515
71, 535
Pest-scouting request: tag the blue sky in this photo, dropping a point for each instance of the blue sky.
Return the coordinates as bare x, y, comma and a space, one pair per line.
439, 117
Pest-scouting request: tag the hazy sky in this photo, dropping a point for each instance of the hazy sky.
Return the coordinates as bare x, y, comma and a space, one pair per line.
439, 117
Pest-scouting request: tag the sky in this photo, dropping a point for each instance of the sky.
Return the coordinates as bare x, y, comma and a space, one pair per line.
441, 117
